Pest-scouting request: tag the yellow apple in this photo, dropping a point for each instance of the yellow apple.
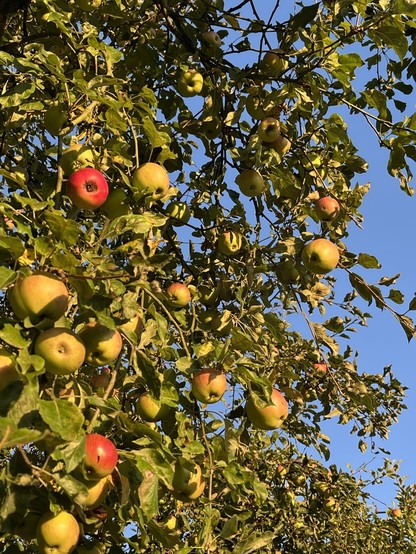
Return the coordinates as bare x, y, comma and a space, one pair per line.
269, 129
102, 344
274, 63
151, 409
57, 534
188, 483
179, 212
116, 204
230, 242
270, 416
8, 371
320, 256
62, 350
76, 157
190, 83
153, 179
251, 183
281, 145
97, 492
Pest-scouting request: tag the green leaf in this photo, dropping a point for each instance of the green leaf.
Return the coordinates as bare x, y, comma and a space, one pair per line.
396, 296
11, 435
148, 494
71, 454
64, 230
7, 276
254, 543
64, 418
368, 261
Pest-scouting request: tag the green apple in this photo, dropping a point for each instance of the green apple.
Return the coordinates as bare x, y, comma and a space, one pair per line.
151, 409
62, 350
39, 297
326, 208
97, 492
287, 272
269, 130
77, 156
135, 325
8, 371
178, 295
88, 5
179, 212
281, 145
57, 534
207, 295
320, 256
212, 39
116, 204
230, 242
330, 505
153, 179
211, 127
208, 385
251, 183
54, 119
190, 83
102, 344
270, 416
188, 483
273, 63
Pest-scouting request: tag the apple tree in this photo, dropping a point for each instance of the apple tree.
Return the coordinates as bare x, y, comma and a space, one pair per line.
178, 185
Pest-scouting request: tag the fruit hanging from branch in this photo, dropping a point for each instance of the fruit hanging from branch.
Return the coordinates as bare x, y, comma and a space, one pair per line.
320, 256
272, 415
87, 188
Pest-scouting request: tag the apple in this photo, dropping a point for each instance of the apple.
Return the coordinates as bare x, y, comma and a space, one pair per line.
101, 379
251, 183
190, 83
208, 385
179, 212
171, 523
299, 480
153, 179
207, 295
150, 409
88, 5
100, 456
254, 107
87, 188
8, 371
330, 505
281, 145
269, 129
75, 157
281, 470
320, 368
396, 512
62, 350
57, 534
287, 272
39, 296
135, 325
54, 119
97, 492
270, 416
230, 242
212, 39
274, 63
188, 483
102, 344
178, 295
116, 204
320, 256
211, 127
326, 208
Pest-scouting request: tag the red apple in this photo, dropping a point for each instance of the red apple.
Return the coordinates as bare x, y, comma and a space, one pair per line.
321, 368
396, 512
178, 294
208, 385
326, 208
87, 188
101, 379
100, 456
270, 416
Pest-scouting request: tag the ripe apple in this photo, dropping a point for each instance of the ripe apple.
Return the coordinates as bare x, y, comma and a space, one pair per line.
178, 295
281, 145
101, 379
62, 350
179, 212
54, 119
75, 157
135, 325
8, 372
208, 385
150, 409
320, 368
100, 456
396, 512
269, 130
270, 416
230, 242
97, 491
320, 256
326, 208
251, 183
87, 188
274, 63
88, 5
207, 295
116, 204
190, 83
212, 39
188, 483
39, 296
57, 534
102, 344
153, 179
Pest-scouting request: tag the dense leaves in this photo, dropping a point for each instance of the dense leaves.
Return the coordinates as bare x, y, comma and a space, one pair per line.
104, 76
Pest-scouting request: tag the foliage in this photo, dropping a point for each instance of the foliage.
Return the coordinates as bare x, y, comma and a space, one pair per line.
109, 76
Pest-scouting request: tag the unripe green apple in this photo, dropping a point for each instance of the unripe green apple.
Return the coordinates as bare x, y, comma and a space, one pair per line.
8, 372
330, 505
207, 295
178, 295
150, 409
190, 83
281, 145
62, 350
274, 63
97, 492
54, 119
320, 256
254, 107
269, 130
270, 416
179, 212
40, 296
116, 204
153, 179
230, 242
76, 157
188, 483
212, 39
57, 534
102, 344
326, 208
208, 385
251, 183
